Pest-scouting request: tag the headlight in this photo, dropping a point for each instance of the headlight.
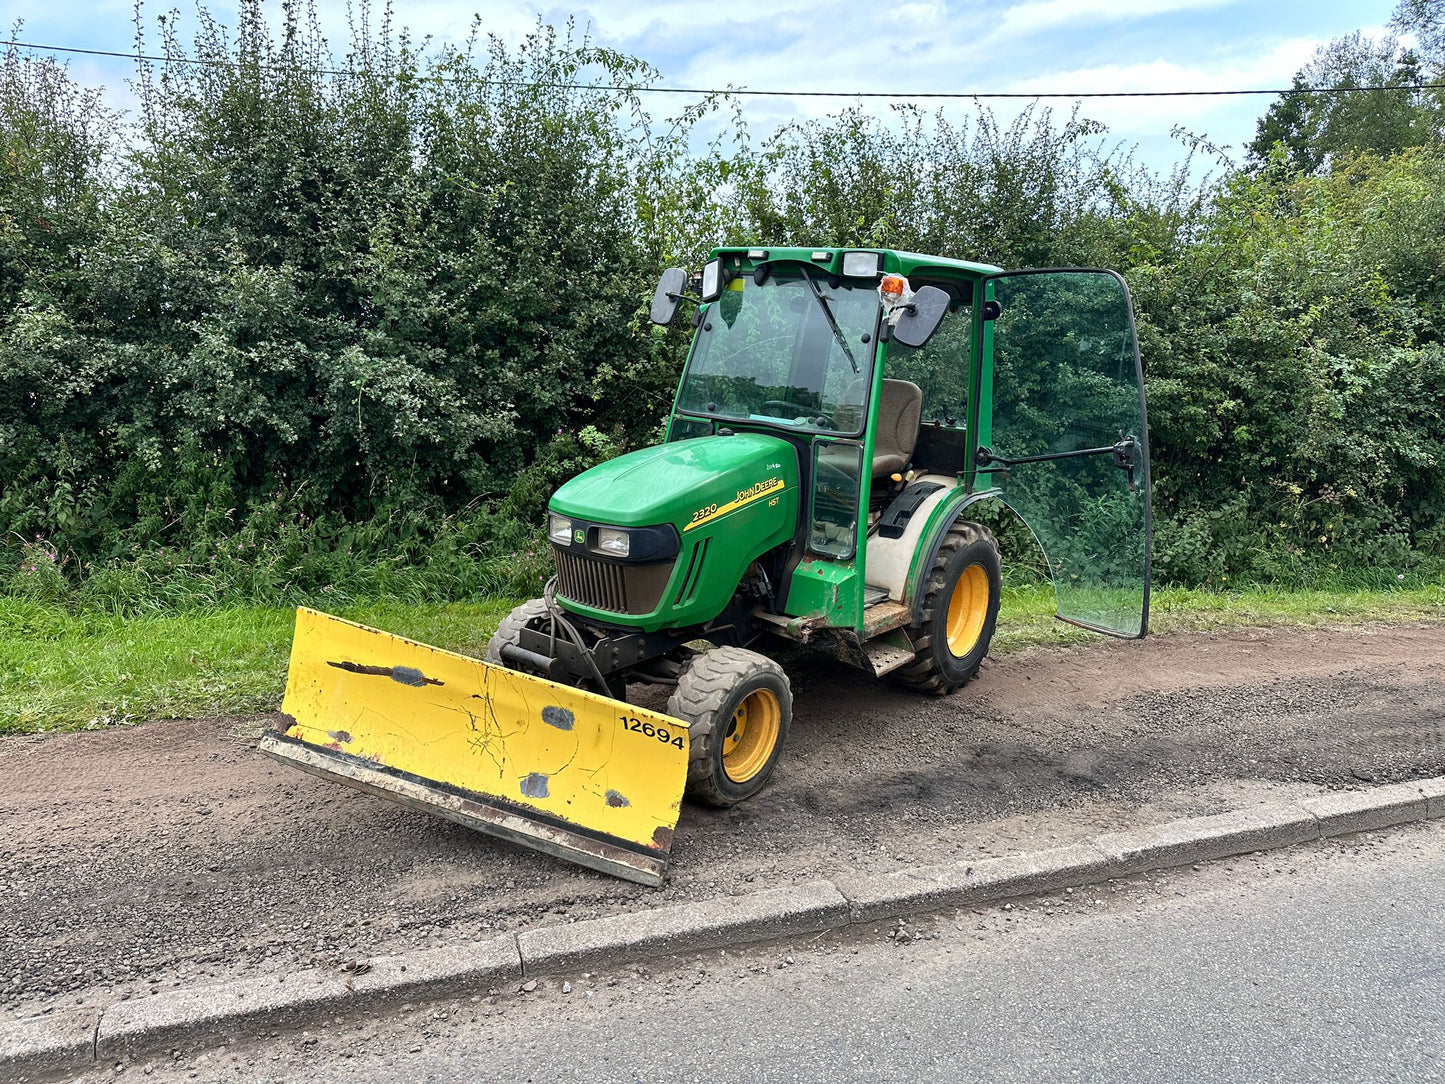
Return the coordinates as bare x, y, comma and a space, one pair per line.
614, 542
559, 529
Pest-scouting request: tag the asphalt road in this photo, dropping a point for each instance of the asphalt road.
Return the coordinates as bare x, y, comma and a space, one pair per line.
1320, 963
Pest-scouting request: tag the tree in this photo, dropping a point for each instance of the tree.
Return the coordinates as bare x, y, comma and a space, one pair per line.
1313, 128
1426, 20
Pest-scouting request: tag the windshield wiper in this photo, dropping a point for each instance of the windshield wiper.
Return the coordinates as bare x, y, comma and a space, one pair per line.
828, 312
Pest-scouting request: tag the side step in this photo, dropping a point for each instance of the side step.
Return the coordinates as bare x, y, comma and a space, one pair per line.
886, 656
883, 617
885, 643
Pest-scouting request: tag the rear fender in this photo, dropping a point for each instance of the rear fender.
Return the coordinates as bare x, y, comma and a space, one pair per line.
945, 515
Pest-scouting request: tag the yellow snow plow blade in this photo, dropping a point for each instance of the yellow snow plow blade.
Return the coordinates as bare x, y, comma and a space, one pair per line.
577, 775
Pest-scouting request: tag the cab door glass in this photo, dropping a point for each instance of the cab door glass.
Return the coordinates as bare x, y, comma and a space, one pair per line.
833, 512
1071, 438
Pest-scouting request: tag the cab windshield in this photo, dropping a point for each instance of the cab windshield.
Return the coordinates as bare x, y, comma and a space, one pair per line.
770, 352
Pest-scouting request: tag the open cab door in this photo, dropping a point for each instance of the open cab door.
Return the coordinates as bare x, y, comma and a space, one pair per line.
1067, 441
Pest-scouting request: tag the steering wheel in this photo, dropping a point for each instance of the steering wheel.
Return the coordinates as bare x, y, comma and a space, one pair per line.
796, 411
782, 404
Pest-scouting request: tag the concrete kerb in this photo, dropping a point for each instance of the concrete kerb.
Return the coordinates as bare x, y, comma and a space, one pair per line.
1434, 792
1203, 839
934, 888
47, 1044
1367, 810
235, 1009
692, 927
1114, 854
61, 1041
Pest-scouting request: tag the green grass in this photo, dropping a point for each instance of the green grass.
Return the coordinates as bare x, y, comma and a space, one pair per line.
76, 671
62, 669
1026, 616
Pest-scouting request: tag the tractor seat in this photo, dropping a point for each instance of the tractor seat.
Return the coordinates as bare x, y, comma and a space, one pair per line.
899, 410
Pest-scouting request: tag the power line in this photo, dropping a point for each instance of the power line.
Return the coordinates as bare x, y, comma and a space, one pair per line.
744, 92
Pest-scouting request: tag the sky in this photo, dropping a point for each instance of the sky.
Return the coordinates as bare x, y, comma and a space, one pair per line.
958, 46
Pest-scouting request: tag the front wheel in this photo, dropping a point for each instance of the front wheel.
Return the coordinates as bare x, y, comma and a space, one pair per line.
738, 706
532, 613
960, 608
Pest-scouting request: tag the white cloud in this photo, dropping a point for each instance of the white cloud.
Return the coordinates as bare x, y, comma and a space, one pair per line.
635, 22
1034, 16
918, 45
1131, 118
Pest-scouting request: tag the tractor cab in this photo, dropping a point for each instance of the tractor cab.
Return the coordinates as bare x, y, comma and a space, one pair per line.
912, 387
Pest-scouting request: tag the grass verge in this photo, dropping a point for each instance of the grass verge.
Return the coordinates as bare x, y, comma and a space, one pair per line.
61, 670
1026, 615
66, 670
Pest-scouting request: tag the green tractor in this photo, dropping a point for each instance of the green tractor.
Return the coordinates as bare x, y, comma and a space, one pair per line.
842, 415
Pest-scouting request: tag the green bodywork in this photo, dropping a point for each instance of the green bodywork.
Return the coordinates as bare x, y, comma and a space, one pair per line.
720, 494
831, 590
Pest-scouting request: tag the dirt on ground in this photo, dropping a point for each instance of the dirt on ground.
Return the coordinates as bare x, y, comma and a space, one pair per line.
165, 854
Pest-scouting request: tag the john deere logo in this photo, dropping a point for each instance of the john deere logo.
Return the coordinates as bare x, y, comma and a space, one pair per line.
579, 537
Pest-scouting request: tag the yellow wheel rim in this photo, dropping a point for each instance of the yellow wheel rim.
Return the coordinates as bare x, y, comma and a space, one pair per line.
967, 607
752, 735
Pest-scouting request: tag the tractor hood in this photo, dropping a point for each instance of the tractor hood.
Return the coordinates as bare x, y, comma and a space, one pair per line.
697, 513
685, 483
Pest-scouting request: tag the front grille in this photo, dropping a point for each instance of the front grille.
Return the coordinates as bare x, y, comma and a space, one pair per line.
591, 582
608, 585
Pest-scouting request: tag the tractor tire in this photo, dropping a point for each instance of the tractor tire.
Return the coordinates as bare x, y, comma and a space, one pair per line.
510, 629
960, 608
738, 706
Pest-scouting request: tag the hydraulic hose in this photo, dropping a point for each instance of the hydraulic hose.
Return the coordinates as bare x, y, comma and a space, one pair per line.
559, 618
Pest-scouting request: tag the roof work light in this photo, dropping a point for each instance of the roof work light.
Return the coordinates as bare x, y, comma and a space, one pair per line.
862, 265
711, 280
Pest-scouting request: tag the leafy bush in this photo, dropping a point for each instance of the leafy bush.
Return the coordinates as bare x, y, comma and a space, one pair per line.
297, 335
320, 300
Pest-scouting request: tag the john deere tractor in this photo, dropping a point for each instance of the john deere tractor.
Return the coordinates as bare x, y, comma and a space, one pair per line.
841, 416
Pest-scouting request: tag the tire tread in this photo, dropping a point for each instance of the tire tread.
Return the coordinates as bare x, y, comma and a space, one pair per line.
509, 629
924, 674
703, 690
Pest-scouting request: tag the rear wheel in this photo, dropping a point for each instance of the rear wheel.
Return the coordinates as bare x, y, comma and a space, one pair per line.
738, 707
960, 607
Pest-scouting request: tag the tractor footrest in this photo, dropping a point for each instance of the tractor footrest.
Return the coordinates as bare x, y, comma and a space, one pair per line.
887, 654
874, 595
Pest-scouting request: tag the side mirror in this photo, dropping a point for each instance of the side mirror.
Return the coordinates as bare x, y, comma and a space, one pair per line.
669, 293
922, 316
